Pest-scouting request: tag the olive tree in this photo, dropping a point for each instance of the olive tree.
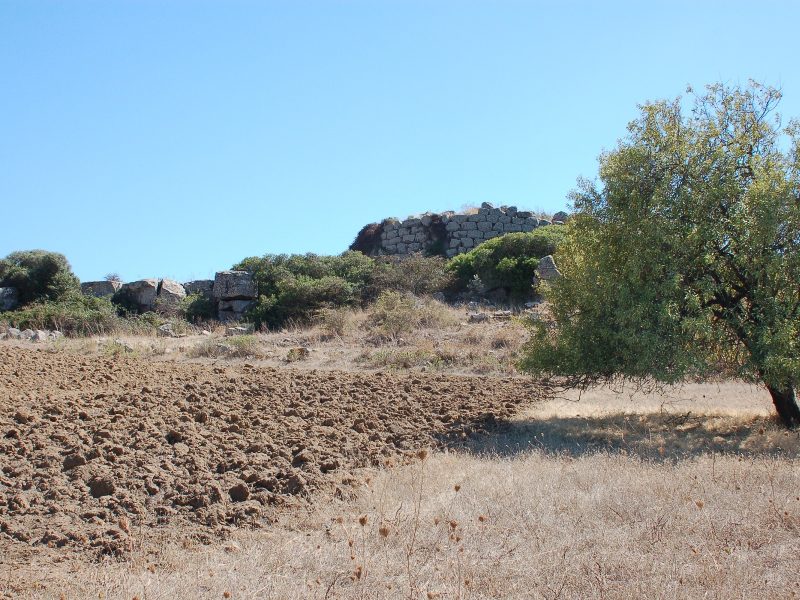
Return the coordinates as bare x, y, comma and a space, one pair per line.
684, 257
38, 275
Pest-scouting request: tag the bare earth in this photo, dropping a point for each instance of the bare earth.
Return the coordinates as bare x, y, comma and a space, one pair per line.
93, 448
157, 477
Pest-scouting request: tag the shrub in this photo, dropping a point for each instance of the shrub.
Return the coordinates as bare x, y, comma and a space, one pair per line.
296, 287
506, 262
74, 314
38, 275
335, 321
197, 307
396, 313
415, 274
368, 240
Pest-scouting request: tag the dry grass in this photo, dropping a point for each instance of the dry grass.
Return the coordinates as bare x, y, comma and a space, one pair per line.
693, 493
406, 334
602, 525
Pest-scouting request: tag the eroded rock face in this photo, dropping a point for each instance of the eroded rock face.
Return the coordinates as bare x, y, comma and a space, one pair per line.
170, 294
200, 286
547, 270
234, 285
100, 289
143, 293
9, 298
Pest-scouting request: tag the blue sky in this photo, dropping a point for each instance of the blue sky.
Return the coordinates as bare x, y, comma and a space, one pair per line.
173, 138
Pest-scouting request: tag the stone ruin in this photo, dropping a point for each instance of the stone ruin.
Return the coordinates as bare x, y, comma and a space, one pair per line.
232, 292
448, 233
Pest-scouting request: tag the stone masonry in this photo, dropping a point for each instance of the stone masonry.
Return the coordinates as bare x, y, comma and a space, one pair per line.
450, 233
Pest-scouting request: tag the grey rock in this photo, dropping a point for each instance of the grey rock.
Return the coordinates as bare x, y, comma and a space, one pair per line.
478, 317
27, 334
100, 289
169, 296
543, 222
237, 306
9, 299
561, 216
40, 335
199, 286
241, 330
234, 285
484, 226
487, 205
13, 333
142, 292
547, 270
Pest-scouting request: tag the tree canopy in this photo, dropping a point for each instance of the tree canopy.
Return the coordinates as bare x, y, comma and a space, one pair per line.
684, 258
38, 275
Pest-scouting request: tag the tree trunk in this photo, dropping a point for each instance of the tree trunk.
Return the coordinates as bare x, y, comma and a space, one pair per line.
785, 401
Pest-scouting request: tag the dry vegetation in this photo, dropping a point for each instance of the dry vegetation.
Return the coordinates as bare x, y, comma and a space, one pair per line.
691, 492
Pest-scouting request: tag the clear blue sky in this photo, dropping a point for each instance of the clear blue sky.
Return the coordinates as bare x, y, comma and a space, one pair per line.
173, 138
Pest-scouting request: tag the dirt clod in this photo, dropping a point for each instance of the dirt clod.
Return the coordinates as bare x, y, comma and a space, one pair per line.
203, 448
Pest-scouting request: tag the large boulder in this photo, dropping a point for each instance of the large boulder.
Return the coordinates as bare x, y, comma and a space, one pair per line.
200, 286
101, 289
560, 216
142, 293
169, 296
234, 285
9, 299
547, 270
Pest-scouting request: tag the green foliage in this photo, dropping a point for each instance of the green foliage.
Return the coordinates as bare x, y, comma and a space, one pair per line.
298, 287
507, 262
415, 274
295, 287
686, 255
74, 314
38, 275
125, 302
197, 307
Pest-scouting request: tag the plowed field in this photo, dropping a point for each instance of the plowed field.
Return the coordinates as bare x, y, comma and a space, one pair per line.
95, 451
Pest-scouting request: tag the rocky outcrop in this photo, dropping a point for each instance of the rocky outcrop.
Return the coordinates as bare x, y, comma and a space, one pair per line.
100, 289
234, 285
232, 292
447, 233
235, 291
9, 299
169, 296
560, 217
142, 294
547, 270
200, 286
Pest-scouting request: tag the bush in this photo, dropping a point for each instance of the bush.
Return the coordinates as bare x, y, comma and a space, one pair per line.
396, 313
197, 307
38, 275
75, 314
296, 287
415, 274
506, 262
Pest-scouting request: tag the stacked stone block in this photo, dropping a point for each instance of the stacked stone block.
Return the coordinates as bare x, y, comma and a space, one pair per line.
457, 233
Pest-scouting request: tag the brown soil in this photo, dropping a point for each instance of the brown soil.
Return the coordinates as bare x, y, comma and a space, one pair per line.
97, 453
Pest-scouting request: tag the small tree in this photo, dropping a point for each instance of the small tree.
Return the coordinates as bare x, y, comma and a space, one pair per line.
686, 256
38, 275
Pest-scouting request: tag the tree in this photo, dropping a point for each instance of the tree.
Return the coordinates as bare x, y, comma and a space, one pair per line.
38, 275
685, 258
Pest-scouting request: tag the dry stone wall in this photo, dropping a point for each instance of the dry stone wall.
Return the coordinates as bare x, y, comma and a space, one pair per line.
450, 233
232, 292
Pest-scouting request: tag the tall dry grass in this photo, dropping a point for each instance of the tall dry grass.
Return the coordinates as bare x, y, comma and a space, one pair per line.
532, 525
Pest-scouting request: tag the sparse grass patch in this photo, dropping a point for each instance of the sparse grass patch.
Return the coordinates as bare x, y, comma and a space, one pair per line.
395, 313
235, 346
